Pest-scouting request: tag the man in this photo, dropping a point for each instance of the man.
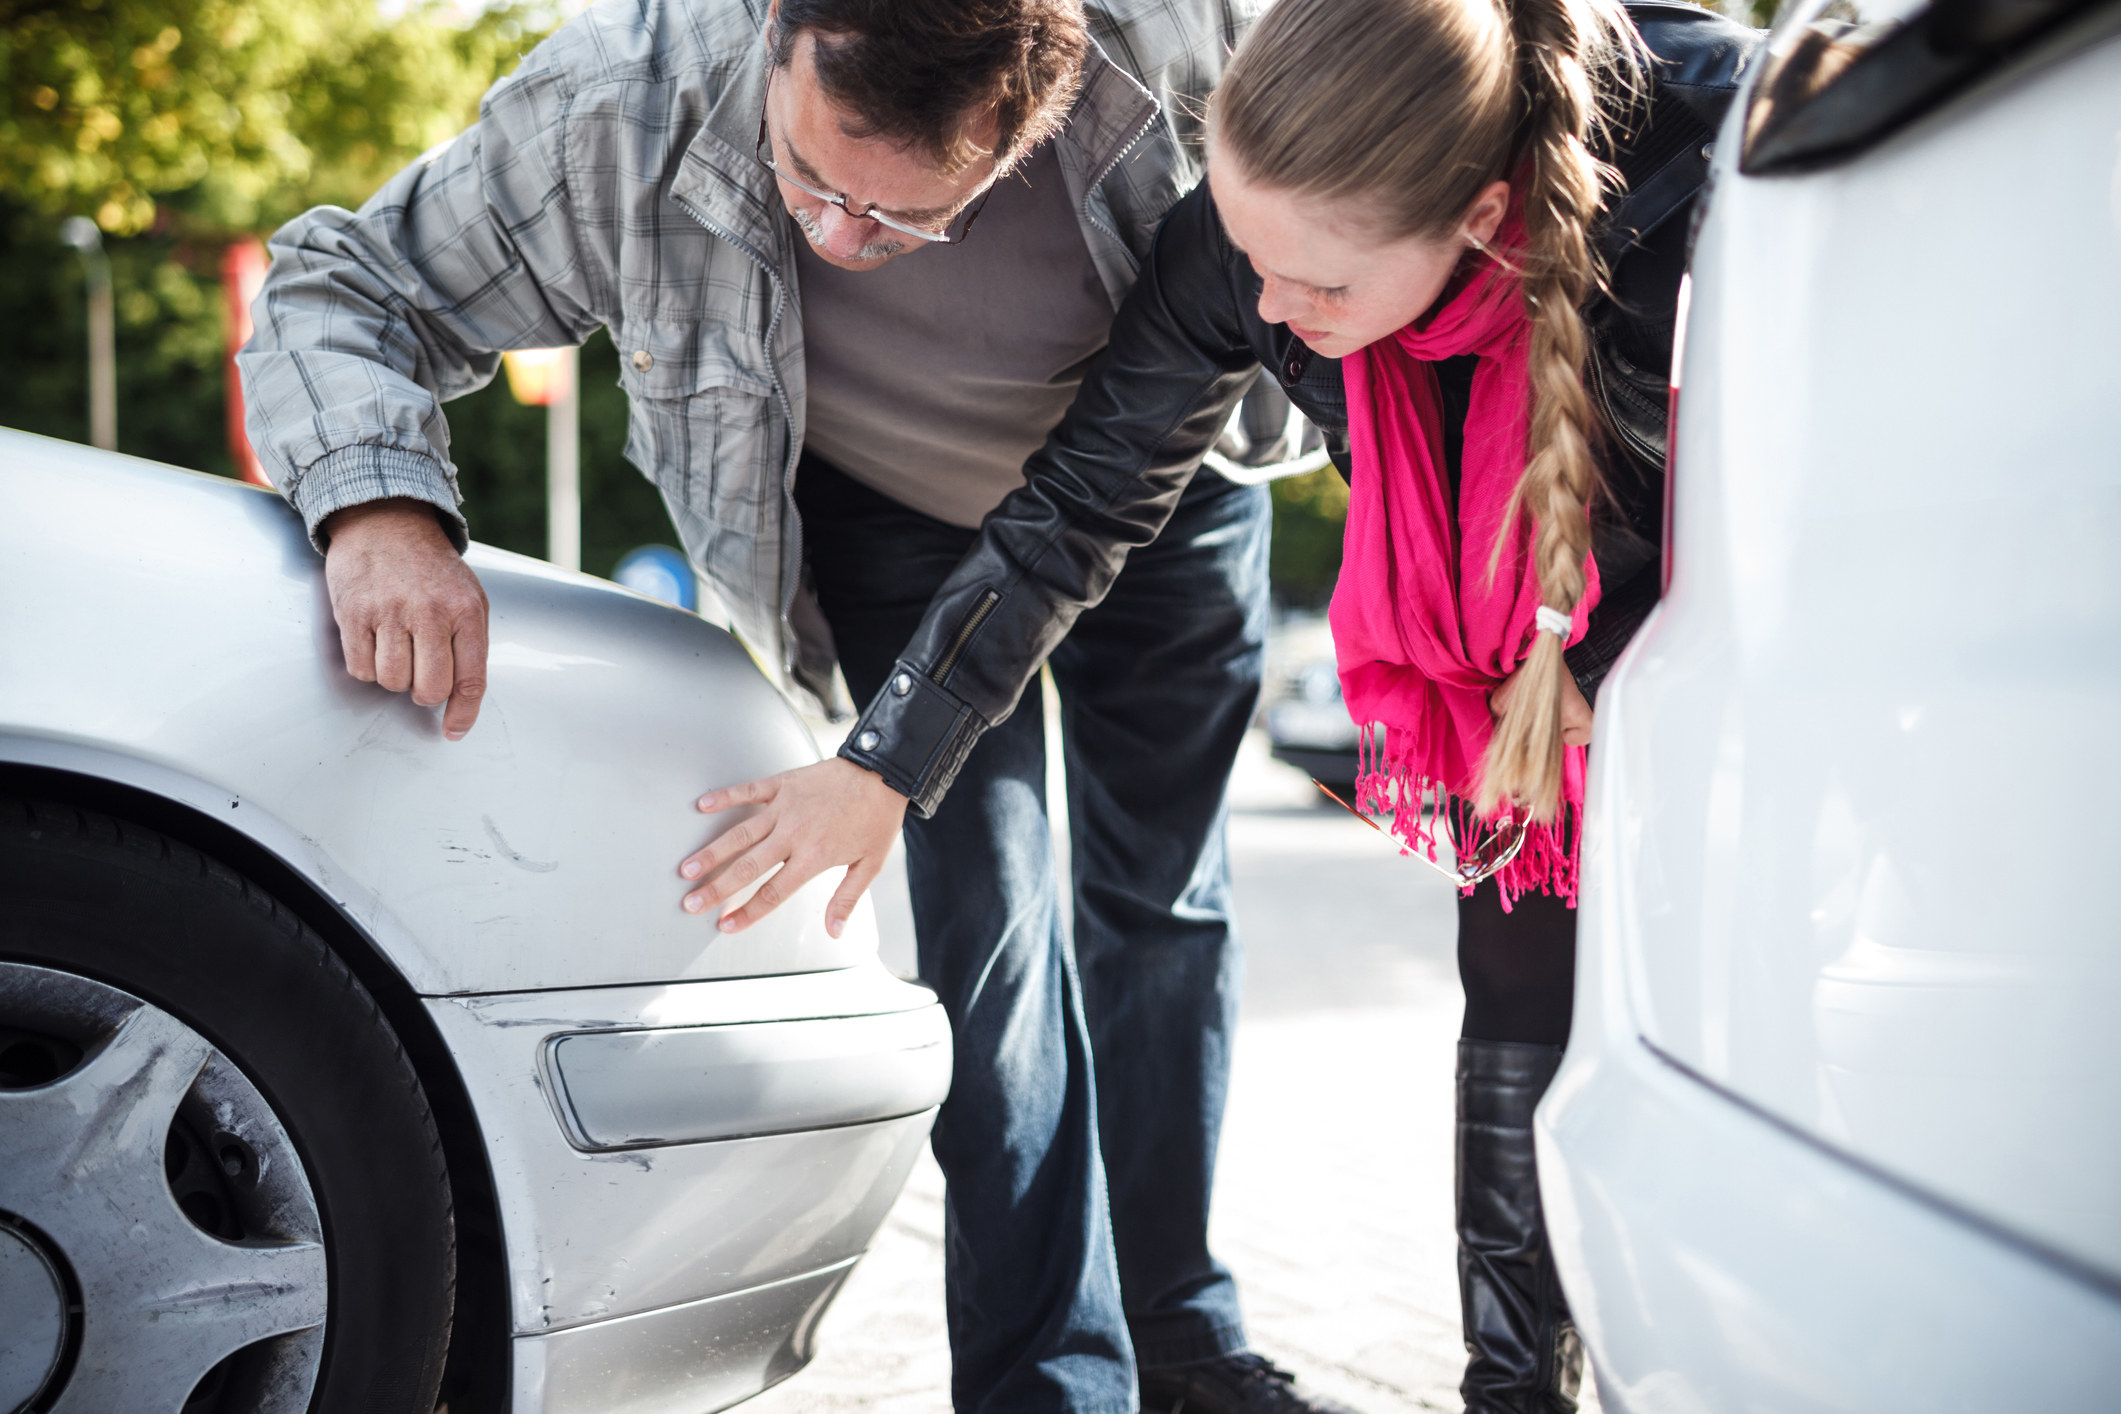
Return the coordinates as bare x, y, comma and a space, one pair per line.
854, 255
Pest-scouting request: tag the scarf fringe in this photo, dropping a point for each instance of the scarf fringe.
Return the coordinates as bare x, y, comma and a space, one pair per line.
1548, 863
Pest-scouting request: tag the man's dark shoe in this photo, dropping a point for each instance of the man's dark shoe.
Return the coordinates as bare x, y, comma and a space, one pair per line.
1243, 1383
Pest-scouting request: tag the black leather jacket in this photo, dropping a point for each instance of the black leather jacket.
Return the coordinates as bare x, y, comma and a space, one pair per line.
1187, 344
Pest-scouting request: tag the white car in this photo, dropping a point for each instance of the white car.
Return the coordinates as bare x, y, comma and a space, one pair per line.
339, 1061
1839, 1126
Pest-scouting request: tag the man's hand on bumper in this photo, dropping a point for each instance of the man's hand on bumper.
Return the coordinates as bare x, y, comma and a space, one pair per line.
411, 614
811, 819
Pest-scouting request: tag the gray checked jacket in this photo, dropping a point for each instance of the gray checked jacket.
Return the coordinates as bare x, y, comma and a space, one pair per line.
610, 182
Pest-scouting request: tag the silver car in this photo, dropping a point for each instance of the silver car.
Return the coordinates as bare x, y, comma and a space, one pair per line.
343, 1067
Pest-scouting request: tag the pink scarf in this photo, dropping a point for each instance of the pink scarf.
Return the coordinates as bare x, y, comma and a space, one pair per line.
1421, 633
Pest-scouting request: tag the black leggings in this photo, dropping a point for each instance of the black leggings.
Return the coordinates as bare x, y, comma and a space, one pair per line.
1518, 968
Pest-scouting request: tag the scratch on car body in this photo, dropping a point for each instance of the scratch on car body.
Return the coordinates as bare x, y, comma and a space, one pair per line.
535, 866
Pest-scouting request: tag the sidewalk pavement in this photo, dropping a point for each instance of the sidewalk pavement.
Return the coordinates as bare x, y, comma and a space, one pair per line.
1333, 1197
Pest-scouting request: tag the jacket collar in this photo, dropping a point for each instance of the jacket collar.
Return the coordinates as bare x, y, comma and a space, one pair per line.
719, 178
1111, 111
721, 181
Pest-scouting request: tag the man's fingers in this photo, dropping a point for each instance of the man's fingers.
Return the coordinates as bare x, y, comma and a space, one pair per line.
749, 793
468, 654
394, 657
411, 613
860, 875
432, 672
357, 640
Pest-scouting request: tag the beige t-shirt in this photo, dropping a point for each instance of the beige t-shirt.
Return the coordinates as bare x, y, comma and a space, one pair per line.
932, 378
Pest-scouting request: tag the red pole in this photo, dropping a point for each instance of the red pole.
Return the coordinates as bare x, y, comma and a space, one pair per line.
242, 275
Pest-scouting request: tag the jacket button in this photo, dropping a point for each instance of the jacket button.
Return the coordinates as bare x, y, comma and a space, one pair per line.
867, 741
902, 684
643, 360
1708, 152
1293, 370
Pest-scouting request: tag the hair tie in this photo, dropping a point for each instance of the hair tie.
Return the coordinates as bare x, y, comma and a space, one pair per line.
1555, 622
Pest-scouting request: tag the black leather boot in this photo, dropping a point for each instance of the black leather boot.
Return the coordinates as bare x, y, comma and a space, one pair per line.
1523, 1353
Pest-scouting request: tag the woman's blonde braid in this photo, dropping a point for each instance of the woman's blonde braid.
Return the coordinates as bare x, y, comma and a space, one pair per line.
1523, 765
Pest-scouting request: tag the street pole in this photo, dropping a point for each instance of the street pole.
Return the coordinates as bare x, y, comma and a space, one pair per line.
84, 236
552, 379
563, 466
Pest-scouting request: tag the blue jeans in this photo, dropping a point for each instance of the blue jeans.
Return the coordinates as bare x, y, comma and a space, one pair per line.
1079, 1137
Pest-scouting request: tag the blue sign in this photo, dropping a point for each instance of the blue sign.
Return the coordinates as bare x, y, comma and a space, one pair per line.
660, 573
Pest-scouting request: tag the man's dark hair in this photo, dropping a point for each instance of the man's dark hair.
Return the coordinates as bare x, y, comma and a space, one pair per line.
912, 71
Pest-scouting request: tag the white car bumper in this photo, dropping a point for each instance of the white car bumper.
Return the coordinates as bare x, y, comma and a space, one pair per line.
687, 1173
1716, 1261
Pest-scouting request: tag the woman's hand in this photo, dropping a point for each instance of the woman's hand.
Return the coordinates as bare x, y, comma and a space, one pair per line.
813, 819
1575, 712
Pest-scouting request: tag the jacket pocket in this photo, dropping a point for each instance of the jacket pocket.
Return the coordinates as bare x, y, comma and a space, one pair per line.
703, 422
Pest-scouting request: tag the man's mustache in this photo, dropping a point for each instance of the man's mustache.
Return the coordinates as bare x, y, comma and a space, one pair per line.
814, 231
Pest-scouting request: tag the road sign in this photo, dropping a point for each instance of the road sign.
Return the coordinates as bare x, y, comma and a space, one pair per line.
660, 572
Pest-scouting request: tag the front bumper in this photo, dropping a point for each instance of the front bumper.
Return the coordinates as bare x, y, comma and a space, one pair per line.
687, 1173
682, 1359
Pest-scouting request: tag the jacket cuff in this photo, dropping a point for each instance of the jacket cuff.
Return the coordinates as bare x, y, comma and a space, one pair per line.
1614, 624
916, 736
354, 476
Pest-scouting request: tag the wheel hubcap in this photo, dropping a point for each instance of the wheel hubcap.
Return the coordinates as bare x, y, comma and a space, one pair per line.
34, 1313
151, 1175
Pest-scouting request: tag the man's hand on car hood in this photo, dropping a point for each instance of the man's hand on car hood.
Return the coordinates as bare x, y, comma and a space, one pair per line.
411, 613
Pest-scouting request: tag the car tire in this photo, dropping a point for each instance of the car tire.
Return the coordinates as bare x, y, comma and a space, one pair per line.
111, 908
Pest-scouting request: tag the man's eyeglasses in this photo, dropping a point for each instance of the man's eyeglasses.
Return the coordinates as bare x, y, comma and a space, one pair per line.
949, 234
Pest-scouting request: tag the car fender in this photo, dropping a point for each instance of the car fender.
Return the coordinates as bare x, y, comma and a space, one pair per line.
171, 631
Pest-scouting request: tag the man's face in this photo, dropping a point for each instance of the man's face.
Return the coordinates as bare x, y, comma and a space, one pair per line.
809, 138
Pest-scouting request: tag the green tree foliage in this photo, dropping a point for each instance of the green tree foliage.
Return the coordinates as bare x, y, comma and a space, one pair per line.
228, 114
170, 355
180, 124
1310, 513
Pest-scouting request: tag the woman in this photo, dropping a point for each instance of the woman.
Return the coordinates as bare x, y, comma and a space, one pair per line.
1407, 222
1415, 185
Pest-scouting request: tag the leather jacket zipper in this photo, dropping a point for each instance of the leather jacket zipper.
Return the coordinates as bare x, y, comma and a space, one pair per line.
963, 636
1090, 188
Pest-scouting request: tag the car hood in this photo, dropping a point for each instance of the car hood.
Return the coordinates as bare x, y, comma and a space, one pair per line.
171, 631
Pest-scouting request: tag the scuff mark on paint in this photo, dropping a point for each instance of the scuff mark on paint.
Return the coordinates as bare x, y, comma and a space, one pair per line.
535, 866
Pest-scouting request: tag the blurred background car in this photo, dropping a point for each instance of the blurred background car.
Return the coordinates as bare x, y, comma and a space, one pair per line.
1307, 722
346, 1068
1840, 1120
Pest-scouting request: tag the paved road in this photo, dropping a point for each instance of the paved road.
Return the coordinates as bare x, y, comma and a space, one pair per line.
1333, 1201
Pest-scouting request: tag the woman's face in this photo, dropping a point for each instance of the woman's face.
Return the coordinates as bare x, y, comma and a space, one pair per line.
1326, 274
